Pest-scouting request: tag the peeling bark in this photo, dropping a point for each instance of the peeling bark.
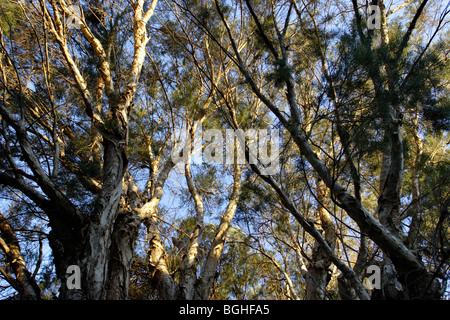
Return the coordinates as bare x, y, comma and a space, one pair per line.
157, 260
23, 281
101, 244
317, 276
209, 269
123, 239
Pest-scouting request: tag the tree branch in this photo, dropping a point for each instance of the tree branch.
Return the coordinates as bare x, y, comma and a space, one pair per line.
410, 29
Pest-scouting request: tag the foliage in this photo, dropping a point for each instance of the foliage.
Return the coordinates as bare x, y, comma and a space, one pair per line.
354, 107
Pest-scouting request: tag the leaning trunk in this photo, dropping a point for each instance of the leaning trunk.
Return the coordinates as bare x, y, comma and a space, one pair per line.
317, 276
389, 200
209, 271
23, 282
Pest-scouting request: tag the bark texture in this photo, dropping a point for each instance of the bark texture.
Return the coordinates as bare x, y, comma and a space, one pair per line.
22, 281
101, 242
319, 273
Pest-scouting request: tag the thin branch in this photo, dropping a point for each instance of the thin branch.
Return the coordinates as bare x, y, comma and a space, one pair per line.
411, 27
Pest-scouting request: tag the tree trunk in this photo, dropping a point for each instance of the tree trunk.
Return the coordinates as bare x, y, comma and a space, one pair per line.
188, 267
209, 269
96, 246
389, 206
97, 254
123, 241
23, 282
161, 278
317, 276
416, 192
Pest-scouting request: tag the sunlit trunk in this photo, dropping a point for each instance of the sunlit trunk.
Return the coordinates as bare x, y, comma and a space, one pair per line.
317, 276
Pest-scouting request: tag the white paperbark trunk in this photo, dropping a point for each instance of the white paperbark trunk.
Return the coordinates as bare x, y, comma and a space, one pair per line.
102, 221
209, 268
188, 268
317, 274
162, 278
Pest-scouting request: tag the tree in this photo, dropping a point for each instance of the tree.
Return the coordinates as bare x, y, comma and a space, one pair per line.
94, 239
107, 105
387, 74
